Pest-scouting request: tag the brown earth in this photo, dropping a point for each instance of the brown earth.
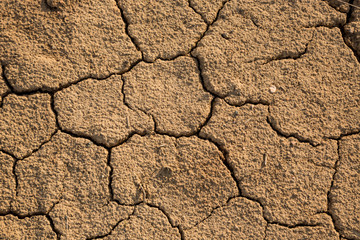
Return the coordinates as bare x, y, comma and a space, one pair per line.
183, 119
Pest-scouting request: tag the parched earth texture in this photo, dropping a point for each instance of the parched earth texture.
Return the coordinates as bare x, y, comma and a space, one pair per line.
180, 119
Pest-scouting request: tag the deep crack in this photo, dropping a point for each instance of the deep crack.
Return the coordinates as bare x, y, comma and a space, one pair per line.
51, 223
294, 57
67, 85
3, 75
332, 185
342, 28
350, 133
198, 63
28, 155
225, 161
191, 6
275, 126
126, 22
110, 178
350, 3
209, 25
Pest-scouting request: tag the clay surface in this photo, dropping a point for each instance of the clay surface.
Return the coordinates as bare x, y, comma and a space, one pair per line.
51, 43
66, 168
3, 87
240, 64
180, 119
89, 220
319, 227
145, 223
285, 175
239, 219
165, 172
344, 195
96, 109
32, 228
7, 182
72, 175
26, 122
352, 29
208, 9
171, 92
162, 29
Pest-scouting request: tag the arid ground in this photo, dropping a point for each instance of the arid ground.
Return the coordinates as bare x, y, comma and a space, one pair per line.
180, 119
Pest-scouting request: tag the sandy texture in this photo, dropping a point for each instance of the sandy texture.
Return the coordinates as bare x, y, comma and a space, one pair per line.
145, 223
344, 195
180, 119
239, 219
165, 172
26, 122
32, 228
162, 29
171, 92
51, 43
96, 109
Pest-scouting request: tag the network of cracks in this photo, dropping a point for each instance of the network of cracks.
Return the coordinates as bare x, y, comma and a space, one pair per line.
228, 120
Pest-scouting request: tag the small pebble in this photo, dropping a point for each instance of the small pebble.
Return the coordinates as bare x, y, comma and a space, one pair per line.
272, 89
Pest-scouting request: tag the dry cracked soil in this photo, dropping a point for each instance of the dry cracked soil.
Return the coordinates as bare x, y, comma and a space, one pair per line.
180, 119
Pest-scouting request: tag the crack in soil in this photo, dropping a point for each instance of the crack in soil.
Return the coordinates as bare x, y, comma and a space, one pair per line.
169, 219
350, 133
117, 224
4, 77
51, 223
213, 211
79, 135
342, 28
64, 86
126, 22
274, 125
225, 161
189, 53
331, 186
191, 6
294, 57
26, 156
224, 153
110, 178
209, 25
